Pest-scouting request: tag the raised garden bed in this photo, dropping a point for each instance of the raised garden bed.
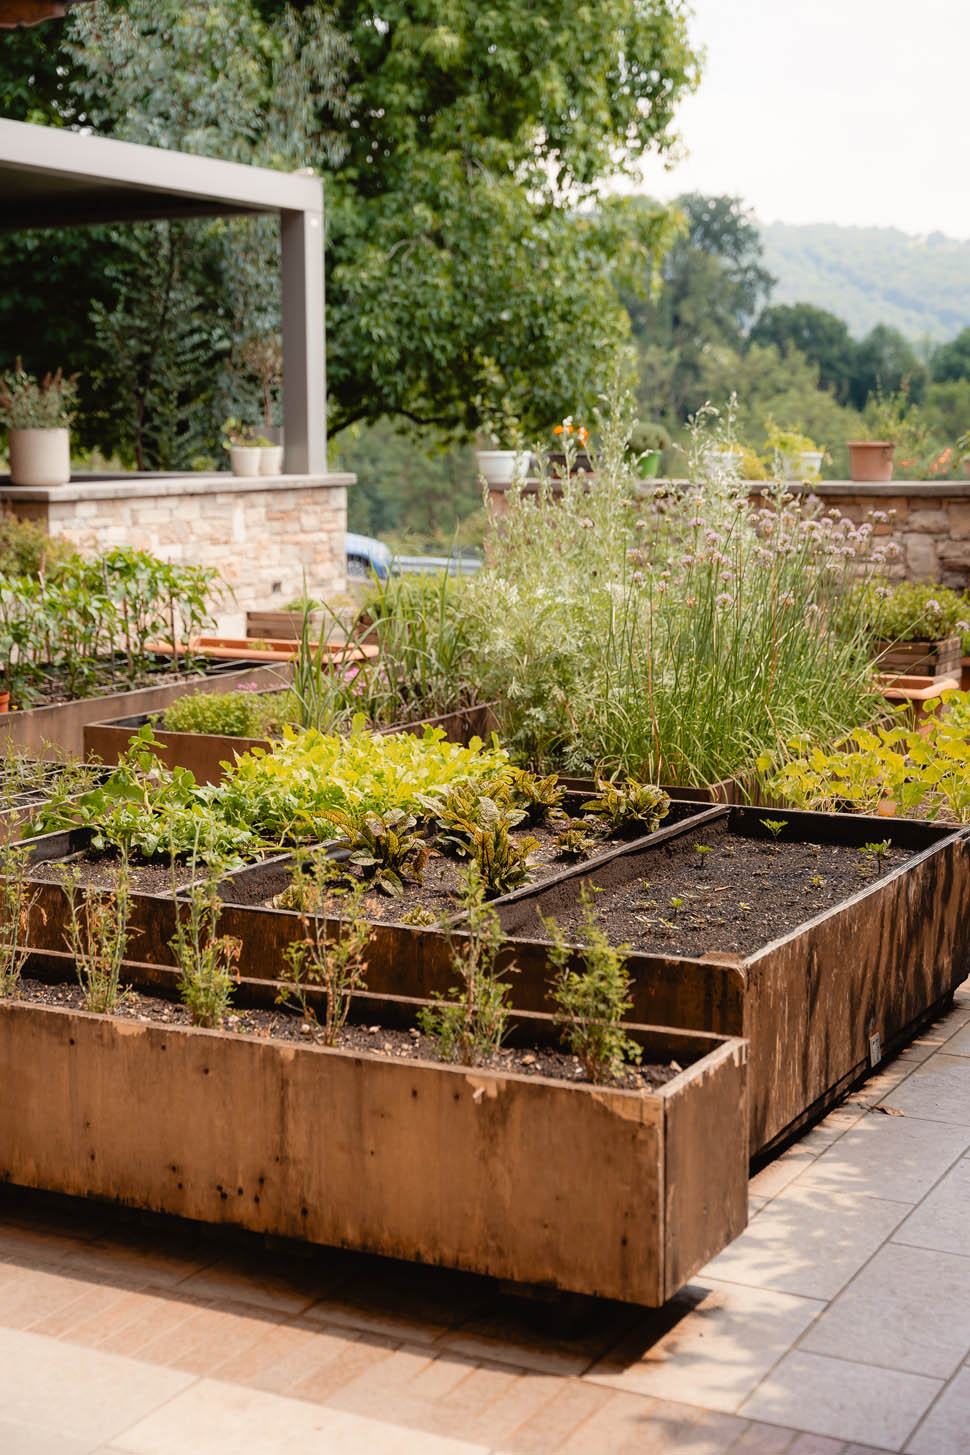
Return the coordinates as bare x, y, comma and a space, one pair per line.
444, 1164
205, 754
269, 649
258, 885
59, 729
822, 994
921, 658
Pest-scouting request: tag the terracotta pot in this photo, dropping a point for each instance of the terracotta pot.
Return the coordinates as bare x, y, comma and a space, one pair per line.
40, 456
4, 701
871, 459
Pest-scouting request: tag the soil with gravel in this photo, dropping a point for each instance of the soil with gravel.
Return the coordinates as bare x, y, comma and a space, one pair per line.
731, 895
409, 1045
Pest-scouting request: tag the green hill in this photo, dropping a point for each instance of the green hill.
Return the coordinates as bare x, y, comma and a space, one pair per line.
870, 275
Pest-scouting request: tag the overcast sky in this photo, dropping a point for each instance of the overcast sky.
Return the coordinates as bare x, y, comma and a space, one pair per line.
848, 111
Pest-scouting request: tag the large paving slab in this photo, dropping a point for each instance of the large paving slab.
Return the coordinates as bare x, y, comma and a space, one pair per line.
837, 1324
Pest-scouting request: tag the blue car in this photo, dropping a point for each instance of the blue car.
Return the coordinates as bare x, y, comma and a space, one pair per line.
367, 556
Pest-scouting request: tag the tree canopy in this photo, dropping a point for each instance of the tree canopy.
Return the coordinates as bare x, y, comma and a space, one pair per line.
462, 147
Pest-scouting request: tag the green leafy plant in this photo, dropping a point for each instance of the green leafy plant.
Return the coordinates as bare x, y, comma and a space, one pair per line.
774, 826
905, 611
896, 769
539, 798
244, 713
207, 962
592, 1002
468, 808
502, 863
386, 847
28, 403
627, 805
575, 841
16, 904
469, 1025
330, 956
97, 935
419, 915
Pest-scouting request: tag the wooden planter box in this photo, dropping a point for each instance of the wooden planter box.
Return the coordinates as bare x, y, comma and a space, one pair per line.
882, 962
621, 1194
45, 730
206, 754
927, 659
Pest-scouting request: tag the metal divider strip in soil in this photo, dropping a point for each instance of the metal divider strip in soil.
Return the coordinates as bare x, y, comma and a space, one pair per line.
443, 1164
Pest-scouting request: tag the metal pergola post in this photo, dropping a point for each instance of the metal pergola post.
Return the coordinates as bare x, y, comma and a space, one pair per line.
56, 178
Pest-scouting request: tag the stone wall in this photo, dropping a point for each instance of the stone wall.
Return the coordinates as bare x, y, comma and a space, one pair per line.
929, 521
264, 536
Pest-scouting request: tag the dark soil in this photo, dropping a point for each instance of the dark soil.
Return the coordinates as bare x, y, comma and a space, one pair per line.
100, 871
438, 893
106, 678
740, 895
411, 1045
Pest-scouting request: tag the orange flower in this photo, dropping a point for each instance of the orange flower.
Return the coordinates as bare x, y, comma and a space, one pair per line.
583, 435
557, 429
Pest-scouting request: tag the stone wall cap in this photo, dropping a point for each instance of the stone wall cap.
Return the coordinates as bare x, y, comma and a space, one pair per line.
152, 486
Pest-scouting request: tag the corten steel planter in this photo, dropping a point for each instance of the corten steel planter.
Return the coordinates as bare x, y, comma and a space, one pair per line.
941, 658
402, 960
206, 754
50, 731
881, 963
622, 1194
256, 649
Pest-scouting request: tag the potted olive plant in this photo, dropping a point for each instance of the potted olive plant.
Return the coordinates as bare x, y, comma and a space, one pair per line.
795, 456
37, 416
262, 355
249, 451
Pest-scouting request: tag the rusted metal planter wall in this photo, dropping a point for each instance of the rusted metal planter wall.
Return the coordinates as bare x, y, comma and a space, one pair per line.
38, 730
881, 962
616, 1193
205, 753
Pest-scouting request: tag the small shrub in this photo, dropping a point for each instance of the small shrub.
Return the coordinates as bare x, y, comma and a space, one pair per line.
334, 964
470, 1023
206, 961
592, 1003
97, 935
16, 904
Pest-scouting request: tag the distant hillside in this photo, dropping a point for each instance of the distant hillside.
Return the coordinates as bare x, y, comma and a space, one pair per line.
870, 275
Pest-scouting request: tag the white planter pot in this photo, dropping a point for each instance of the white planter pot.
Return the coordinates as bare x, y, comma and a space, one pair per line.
501, 467
270, 459
807, 465
245, 459
40, 456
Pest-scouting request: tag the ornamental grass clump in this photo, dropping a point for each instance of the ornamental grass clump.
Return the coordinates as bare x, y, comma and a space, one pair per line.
671, 632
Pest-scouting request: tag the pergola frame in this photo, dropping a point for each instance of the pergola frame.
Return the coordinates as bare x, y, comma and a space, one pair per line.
51, 177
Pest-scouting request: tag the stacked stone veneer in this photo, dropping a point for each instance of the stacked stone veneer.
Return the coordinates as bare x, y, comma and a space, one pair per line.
927, 520
264, 536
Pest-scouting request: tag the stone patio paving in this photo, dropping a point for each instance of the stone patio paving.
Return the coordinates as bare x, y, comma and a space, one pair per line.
838, 1322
